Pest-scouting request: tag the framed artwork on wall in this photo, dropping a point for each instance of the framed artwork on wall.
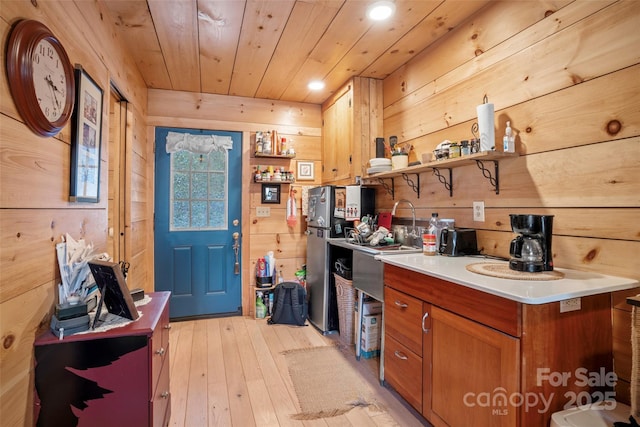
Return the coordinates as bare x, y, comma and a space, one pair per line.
305, 171
271, 193
86, 138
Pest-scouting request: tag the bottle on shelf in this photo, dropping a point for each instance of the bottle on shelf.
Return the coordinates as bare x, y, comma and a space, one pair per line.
275, 143
267, 143
509, 140
259, 142
280, 278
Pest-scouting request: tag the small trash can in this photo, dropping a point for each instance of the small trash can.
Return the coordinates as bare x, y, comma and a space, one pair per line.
346, 297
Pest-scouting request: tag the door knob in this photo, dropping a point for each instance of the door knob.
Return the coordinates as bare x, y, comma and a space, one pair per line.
236, 222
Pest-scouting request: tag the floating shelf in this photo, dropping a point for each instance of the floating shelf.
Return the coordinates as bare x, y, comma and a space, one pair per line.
274, 181
437, 167
276, 156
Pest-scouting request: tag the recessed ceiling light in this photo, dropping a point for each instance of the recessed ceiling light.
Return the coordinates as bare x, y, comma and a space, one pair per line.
316, 85
381, 10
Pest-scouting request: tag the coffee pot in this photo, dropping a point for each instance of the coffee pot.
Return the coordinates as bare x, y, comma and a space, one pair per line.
531, 250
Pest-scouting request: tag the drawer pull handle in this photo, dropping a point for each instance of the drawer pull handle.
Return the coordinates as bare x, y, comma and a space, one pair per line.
425, 330
399, 355
161, 351
164, 395
167, 326
401, 304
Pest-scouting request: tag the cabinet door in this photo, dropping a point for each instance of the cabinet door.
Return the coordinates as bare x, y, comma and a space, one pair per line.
475, 372
338, 139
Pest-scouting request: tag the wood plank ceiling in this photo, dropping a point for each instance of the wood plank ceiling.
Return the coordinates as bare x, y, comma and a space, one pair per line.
272, 48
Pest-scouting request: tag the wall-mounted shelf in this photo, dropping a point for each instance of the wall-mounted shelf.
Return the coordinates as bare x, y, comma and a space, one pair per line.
438, 167
276, 156
273, 181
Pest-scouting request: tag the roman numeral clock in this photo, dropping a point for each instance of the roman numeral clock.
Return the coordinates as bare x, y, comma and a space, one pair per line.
41, 78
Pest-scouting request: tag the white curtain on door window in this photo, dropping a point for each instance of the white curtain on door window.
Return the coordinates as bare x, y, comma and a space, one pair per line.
198, 144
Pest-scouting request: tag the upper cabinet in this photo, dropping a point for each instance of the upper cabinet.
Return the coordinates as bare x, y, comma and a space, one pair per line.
351, 121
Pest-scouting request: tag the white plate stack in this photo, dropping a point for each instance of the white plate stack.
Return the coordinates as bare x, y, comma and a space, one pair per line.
379, 165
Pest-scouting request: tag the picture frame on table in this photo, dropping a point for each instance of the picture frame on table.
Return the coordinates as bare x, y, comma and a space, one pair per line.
115, 296
86, 139
271, 193
305, 171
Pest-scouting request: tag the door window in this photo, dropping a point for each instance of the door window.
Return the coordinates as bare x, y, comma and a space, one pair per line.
198, 191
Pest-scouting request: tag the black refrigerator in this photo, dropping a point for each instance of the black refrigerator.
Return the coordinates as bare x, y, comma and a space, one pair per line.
326, 220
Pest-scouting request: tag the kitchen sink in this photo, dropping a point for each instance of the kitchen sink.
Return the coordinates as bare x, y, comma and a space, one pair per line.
384, 249
394, 249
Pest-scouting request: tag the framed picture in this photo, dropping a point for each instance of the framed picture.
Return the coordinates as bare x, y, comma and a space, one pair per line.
114, 292
270, 193
86, 138
305, 171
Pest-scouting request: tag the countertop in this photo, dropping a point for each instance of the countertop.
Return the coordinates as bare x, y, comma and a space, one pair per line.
574, 284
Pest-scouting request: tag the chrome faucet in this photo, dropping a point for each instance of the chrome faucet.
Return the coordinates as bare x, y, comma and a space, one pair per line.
413, 216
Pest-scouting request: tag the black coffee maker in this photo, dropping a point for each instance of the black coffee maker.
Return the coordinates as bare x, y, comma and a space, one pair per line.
531, 250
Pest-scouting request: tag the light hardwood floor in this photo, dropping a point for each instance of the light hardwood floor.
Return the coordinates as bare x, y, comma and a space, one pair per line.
231, 372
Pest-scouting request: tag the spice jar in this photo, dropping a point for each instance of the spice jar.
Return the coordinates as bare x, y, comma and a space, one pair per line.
465, 149
454, 150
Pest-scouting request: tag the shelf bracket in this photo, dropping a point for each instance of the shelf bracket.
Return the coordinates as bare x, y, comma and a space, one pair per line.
494, 181
443, 179
415, 185
390, 189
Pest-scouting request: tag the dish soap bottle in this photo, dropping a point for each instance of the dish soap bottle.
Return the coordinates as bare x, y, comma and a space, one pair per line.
509, 140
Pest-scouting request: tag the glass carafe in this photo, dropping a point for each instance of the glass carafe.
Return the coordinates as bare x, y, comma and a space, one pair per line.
531, 250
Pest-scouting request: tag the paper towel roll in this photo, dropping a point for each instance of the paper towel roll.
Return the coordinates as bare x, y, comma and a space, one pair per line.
485, 127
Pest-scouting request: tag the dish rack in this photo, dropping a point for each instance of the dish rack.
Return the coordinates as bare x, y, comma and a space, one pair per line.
352, 235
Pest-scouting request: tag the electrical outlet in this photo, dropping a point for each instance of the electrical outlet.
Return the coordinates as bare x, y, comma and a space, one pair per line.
478, 211
262, 211
572, 304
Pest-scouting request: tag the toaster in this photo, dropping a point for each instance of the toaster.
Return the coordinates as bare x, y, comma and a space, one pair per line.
458, 242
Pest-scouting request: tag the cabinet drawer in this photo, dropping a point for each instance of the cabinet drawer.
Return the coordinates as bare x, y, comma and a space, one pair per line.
159, 348
403, 371
161, 400
403, 317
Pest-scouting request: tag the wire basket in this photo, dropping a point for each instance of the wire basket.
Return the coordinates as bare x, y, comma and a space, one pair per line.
346, 297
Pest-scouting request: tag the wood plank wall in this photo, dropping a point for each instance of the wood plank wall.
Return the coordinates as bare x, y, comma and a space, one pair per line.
298, 122
567, 76
34, 180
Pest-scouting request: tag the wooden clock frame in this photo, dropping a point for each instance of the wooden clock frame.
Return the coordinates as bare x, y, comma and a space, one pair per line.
21, 47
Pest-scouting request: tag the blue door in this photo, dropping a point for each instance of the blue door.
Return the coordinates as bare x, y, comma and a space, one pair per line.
198, 185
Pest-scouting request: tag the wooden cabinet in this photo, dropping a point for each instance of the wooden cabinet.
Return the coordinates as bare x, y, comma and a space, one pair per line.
474, 366
116, 377
351, 120
337, 140
481, 354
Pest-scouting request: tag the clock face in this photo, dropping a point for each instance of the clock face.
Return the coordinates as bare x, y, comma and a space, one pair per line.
49, 80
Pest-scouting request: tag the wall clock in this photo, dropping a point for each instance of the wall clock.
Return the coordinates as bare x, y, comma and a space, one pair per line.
40, 77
